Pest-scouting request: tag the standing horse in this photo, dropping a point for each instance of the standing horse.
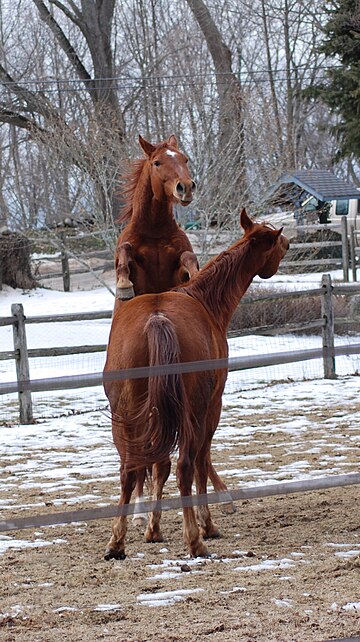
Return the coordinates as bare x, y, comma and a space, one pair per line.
151, 417
153, 254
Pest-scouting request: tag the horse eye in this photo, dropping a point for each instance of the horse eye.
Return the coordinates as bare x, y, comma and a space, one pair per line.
157, 163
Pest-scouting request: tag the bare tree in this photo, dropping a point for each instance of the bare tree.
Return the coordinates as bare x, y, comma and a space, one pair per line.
229, 91
91, 24
81, 78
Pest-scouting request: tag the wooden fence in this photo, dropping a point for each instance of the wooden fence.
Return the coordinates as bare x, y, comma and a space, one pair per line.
354, 251
342, 262
21, 353
71, 263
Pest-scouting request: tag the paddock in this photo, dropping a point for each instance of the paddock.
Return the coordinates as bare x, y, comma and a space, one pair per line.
285, 569
286, 564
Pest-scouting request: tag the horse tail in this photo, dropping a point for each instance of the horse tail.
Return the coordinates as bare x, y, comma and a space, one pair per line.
166, 412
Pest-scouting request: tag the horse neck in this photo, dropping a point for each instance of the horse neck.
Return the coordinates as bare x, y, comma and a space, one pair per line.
150, 215
221, 284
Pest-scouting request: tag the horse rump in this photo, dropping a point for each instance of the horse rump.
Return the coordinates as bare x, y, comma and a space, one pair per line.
165, 413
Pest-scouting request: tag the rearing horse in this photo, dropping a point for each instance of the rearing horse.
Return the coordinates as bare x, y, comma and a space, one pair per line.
152, 417
153, 253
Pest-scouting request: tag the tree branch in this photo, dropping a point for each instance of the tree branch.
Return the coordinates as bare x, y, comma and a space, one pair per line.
34, 102
64, 43
14, 118
74, 17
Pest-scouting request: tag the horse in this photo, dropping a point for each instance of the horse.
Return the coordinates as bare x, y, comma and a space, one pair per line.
152, 417
153, 254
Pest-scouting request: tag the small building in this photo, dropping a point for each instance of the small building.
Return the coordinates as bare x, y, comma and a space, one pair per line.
315, 196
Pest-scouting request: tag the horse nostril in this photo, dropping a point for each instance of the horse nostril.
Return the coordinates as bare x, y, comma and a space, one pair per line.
180, 188
193, 186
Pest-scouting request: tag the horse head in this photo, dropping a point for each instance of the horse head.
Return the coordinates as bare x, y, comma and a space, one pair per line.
272, 243
169, 172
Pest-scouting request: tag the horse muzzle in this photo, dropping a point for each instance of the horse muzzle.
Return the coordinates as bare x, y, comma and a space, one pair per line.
184, 191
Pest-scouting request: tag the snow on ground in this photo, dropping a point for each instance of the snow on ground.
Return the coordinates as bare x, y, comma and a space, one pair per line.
60, 455
63, 452
46, 302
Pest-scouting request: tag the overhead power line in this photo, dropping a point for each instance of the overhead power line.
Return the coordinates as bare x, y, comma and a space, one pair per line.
194, 79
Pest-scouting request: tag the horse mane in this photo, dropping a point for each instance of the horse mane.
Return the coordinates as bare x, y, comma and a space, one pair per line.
129, 181
208, 288
215, 284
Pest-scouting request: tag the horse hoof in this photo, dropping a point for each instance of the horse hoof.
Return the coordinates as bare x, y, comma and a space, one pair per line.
153, 538
125, 293
139, 520
228, 509
200, 550
111, 554
211, 533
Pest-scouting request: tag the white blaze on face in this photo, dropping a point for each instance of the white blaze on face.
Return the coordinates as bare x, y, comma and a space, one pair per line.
170, 152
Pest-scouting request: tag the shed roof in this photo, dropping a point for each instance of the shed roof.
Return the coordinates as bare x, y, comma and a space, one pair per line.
321, 183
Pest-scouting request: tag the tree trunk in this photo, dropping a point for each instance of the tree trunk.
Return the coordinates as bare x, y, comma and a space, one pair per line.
231, 129
15, 267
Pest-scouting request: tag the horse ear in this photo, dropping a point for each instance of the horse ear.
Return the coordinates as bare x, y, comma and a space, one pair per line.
245, 222
172, 140
147, 147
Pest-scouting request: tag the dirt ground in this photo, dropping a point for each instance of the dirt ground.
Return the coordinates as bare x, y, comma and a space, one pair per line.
286, 568
59, 588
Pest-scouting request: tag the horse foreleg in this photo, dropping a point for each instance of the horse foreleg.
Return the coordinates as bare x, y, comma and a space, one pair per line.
189, 266
116, 546
192, 538
207, 527
124, 287
220, 487
160, 474
140, 519
212, 421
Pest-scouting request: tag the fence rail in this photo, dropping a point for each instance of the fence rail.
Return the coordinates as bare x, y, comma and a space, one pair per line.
232, 364
173, 503
21, 354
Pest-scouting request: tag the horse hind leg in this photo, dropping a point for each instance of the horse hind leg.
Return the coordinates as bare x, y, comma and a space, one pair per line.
192, 537
116, 546
124, 287
208, 528
227, 507
160, 475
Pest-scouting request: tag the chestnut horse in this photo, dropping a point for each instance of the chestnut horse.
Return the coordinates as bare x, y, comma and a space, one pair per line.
152, 417
153, 254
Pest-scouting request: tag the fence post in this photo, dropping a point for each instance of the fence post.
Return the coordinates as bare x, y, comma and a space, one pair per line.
65, 264
352, 252
22, 363
327, 314
345, 249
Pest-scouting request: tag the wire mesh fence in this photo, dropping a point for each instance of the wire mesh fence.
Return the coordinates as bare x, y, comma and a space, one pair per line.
274, 323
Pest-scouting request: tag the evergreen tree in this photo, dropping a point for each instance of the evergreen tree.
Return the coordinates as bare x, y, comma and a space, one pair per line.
341, 92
